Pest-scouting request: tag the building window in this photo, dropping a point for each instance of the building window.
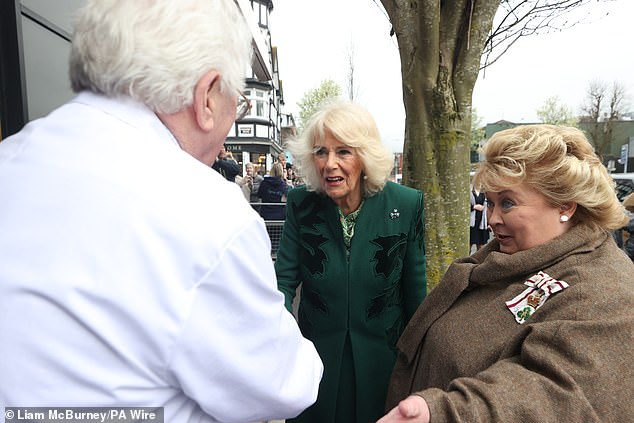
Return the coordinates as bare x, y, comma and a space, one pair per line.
263, 15
260, 110
260, 99
260, 103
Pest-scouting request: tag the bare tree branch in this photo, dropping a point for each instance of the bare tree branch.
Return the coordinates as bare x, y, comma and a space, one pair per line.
522, 18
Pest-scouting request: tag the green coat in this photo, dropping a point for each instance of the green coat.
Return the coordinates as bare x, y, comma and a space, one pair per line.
353, 306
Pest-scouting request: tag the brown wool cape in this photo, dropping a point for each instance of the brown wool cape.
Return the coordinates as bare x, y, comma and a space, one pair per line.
571, 361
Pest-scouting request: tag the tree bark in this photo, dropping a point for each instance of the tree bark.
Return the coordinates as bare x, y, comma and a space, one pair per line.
440, 45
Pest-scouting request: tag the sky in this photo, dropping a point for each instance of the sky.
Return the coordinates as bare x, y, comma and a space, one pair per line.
315, 38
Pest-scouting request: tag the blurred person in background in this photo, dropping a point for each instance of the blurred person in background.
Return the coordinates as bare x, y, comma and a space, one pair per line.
281, 159
250, 183
226, 165
273, 189
122, 285
536, 326
353, 242
478, 226
288, 175
272, 192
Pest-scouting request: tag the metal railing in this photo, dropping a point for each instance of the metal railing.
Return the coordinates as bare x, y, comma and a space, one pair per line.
273, 226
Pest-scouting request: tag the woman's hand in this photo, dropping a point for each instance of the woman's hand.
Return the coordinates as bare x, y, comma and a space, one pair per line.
412, 409
478, 207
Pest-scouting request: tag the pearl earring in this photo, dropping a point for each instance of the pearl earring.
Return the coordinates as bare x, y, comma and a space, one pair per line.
563, 218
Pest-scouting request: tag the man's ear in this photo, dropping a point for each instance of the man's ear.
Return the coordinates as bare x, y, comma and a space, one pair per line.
205, 100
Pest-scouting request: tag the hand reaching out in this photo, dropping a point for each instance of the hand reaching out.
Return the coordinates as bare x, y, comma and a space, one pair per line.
412, 409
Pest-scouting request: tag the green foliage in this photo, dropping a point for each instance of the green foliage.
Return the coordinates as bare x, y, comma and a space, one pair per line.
555, 113
313, 99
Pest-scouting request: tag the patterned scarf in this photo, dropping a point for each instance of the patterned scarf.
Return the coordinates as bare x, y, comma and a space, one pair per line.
347, 224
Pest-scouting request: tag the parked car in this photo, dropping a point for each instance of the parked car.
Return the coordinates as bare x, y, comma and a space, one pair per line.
624, 184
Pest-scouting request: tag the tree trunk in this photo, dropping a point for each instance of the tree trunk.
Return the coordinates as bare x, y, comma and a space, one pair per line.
440, 45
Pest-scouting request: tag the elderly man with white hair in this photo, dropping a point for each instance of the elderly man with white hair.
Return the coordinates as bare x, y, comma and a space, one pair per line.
121, 283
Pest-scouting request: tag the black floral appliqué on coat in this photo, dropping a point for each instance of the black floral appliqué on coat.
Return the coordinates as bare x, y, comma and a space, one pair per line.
309, 218
389, 297
420, 226
390, 253
394, 332
313, 257
316, 301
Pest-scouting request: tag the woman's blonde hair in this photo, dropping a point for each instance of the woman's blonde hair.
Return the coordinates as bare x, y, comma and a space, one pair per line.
277, 170
559, 163
352, 125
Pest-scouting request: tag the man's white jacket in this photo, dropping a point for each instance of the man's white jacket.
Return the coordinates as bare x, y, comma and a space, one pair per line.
131, 274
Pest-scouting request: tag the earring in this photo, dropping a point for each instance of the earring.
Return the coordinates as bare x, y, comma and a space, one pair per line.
563, 218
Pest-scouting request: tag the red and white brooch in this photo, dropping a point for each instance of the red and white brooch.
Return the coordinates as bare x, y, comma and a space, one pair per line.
540, 287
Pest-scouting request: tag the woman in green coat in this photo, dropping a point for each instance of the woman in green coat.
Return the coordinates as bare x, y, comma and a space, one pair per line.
353, 241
